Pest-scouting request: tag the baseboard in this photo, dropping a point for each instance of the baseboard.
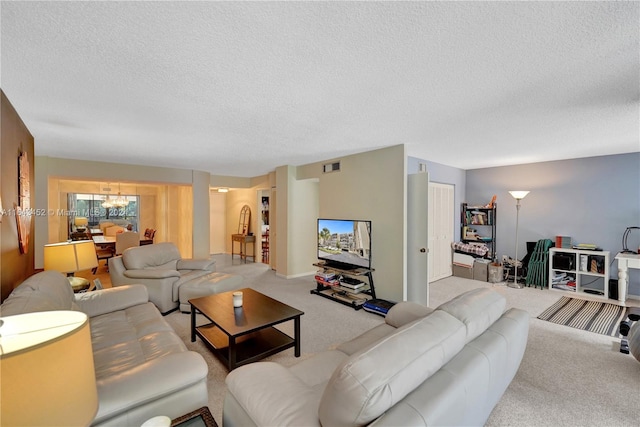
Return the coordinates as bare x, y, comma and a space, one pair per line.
295, 276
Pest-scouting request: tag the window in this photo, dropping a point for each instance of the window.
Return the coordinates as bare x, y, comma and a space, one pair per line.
91, 207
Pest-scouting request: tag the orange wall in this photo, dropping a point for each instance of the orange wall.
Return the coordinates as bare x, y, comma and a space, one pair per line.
15, 139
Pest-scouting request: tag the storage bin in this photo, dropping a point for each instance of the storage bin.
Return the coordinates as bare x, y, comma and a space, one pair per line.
496, 272
460, 271
480, 269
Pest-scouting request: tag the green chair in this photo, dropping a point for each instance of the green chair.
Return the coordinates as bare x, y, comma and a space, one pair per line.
538, 269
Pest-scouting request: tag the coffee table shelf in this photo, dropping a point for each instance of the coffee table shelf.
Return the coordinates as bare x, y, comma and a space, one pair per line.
249, 348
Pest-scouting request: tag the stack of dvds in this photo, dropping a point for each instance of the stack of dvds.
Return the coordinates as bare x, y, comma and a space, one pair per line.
326, 279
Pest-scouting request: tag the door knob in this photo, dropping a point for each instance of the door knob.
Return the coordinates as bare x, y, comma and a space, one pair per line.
423, 250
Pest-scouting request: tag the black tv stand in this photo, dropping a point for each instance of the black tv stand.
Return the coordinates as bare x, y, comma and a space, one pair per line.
353, 298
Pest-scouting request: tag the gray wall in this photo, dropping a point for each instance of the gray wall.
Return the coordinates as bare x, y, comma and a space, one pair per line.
592, 200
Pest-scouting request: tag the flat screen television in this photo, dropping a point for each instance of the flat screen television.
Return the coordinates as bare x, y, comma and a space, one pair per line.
344, 243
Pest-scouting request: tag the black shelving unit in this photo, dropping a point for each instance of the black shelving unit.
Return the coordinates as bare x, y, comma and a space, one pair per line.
478, 225
343, 295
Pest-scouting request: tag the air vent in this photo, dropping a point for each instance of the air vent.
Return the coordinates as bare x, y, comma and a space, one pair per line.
331, 167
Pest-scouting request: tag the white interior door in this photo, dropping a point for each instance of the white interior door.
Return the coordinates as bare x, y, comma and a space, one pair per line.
417, 238
441, 222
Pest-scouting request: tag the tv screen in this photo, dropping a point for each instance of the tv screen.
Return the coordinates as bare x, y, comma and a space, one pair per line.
344, 243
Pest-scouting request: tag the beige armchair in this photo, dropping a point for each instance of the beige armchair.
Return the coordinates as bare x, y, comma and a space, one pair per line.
126, 240
161, 269
113, 230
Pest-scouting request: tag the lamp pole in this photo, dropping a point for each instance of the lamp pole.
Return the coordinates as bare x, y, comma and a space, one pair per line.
518, 195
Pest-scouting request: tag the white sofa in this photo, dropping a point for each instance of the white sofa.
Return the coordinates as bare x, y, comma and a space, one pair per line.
143, 369
170, 280
448, 366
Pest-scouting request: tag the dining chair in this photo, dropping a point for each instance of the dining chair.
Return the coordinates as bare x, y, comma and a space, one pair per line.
149, 233
113, 230
126, 240
103, 252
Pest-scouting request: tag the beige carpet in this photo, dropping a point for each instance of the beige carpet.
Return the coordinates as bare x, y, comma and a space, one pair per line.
568, 377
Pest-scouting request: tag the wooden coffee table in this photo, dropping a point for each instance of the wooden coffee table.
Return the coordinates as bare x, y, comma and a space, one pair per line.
245, 334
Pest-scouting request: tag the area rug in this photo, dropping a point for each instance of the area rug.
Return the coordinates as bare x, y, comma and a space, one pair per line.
593, 316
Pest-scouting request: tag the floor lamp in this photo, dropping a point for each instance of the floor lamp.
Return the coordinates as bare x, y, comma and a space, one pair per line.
518, 195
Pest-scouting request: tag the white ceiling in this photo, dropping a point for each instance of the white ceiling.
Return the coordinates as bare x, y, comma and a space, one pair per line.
238, 88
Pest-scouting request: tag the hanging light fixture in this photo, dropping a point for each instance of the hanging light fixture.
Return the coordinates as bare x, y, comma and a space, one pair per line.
120, 202
107, 203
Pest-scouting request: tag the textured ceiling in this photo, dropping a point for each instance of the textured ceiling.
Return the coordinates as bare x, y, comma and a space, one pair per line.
238, 88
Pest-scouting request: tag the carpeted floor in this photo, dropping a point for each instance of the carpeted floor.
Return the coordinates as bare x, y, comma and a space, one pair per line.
568, 377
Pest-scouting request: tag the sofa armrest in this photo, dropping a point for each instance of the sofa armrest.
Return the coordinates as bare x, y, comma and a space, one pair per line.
272, 396
149, 381
112, 299
151, 273
197, 264
406, 312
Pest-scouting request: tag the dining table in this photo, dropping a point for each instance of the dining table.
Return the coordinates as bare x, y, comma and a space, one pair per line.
109, 242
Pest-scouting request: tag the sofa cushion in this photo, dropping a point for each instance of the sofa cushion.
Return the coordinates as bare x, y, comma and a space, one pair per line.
477, 309
376, 378
45, 291
366, 339
159, 255
125, 339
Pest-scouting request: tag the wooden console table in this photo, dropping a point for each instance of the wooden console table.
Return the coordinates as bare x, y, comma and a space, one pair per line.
243, 239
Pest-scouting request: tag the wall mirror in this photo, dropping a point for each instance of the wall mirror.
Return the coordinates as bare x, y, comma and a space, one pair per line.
245, 217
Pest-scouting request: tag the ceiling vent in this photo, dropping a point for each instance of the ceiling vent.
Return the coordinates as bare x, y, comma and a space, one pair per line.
331, 167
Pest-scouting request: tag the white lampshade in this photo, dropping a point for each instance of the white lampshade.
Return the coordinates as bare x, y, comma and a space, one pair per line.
518, 194
69, 257
48, 376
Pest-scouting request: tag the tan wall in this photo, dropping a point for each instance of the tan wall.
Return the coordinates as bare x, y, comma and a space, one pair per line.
369, 186
165, 208
172, 211
15, 138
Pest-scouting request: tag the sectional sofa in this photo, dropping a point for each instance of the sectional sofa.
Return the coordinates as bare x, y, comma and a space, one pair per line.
448, 366
143, 368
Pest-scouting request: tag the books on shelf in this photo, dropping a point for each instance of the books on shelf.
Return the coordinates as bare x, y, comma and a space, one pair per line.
563, 242
328, 282
324, 275
479, 217
586, 247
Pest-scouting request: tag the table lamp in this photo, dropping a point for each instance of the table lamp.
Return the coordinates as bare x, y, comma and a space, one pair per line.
69, 257
81, 223
48, 375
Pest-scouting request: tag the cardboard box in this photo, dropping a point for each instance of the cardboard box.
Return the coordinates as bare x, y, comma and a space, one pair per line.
460, 271
481, 270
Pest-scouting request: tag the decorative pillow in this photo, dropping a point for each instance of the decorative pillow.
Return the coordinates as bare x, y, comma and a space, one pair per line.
376, 378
